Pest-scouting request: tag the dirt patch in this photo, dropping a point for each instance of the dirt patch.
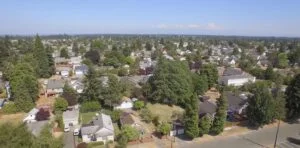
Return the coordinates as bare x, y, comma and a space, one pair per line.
12, 118
45, 101
213, 94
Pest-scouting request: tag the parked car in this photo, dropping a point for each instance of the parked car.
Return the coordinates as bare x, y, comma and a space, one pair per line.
76, 132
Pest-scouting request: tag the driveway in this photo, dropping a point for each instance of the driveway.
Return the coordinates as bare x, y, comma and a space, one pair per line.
69, 139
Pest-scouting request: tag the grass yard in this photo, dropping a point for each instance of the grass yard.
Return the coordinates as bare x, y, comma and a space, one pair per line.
164, 111
12, 118
87, 117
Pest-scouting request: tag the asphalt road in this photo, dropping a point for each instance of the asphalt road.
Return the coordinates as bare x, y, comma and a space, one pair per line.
69, 139
261, 138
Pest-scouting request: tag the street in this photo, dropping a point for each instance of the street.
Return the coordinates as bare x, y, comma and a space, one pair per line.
69, 139
254, 139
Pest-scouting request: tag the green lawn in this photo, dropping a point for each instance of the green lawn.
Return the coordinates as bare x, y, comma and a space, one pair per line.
87, 117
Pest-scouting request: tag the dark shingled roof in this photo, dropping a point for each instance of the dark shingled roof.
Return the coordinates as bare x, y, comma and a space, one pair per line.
207, 107
235, 101
232, 71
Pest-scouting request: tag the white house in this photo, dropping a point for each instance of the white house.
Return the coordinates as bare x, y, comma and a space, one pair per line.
31, 116
238, 80
100, 129
126, 103
236, 77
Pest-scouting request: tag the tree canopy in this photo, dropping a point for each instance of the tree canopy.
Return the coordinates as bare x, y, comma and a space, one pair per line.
293, 98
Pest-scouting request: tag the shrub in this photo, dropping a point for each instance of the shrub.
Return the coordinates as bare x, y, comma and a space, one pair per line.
138, 105
130, 132
10, 108
95, 144
164, 128
60, 105
59, 120
146, 115
90, 106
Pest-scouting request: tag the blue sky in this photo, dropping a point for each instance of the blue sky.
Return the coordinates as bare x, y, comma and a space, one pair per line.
217, 17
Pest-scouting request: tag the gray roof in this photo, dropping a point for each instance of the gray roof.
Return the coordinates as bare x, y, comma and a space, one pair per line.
100, 126
207, 107
235, 101
232, 71
55, 84
225, 78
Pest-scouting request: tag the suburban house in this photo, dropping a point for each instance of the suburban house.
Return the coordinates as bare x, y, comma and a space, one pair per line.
126, 103
77, 85
75, 60
54, 87
61, 61
235, 77
31, 116
80, 70
71, 117
100, 129
63, 70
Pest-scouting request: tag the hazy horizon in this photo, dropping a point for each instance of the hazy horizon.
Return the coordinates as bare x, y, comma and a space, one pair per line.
229, 18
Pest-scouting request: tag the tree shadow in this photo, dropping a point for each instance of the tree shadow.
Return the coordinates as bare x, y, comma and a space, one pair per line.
293, 140
183, 137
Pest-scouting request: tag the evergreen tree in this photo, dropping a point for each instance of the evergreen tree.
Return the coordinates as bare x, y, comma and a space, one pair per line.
211, 72
112, 94
261, 107
269, 74
64, 53
293, 98
204, 125
92, 86
181, 43
5, 46
148, 46
75, 48
191, 118
51, 67
200, 83
220, 117
24, 86
40, 54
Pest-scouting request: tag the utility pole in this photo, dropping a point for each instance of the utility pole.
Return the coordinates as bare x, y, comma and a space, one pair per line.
277, 134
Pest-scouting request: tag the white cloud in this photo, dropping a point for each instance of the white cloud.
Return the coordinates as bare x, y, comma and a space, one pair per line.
209, 26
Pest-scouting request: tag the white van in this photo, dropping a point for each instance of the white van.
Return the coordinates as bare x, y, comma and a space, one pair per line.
67, 128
